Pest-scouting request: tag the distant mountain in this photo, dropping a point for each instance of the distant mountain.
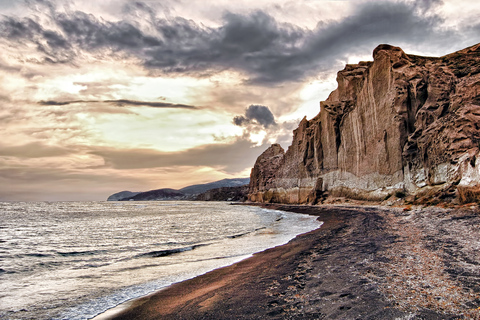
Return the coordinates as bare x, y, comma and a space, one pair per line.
159, 194
187, 193
239, 193
201, 188
120, 195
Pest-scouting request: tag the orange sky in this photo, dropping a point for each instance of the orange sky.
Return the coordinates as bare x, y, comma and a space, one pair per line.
106, 96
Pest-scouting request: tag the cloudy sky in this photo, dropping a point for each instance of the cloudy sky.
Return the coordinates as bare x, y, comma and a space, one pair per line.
109, 95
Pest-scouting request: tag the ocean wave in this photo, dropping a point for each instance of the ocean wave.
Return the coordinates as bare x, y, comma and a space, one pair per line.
79, 253
169, 252
105, 265
238, 235
36, 255
245, 233
3, 271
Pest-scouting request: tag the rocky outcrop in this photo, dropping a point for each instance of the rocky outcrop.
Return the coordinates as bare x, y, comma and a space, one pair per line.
238, 194
402, 124
263, 178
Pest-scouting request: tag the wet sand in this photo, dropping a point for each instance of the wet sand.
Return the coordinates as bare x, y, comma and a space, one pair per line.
363, 263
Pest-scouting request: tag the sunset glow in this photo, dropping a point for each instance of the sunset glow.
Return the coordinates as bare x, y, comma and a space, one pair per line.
100, 97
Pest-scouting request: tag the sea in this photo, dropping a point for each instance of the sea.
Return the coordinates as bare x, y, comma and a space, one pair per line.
76, 260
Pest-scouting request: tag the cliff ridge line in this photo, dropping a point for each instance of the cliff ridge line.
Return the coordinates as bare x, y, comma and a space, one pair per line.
398, 125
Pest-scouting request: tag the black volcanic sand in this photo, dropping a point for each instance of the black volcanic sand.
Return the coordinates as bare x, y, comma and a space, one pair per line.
363, 263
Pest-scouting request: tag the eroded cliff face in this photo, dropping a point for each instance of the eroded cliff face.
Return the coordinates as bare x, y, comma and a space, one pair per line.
399, 124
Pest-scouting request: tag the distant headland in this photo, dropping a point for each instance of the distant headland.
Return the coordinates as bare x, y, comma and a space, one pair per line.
222, 190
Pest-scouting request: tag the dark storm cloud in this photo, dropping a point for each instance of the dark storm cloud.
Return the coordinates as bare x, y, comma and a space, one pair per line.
258, 119
89, 32
267, 51
120, 103
124, 102
59, 103
255, 113
232, 158
26, 28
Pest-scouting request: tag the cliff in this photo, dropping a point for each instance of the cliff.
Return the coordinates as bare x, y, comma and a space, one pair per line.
402, 124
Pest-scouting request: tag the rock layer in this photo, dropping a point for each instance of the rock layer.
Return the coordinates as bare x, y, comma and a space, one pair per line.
402, 124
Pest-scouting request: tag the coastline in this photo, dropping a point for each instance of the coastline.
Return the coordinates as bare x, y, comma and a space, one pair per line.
357, 265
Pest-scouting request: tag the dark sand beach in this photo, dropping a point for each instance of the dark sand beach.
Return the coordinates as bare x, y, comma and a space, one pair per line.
365, 262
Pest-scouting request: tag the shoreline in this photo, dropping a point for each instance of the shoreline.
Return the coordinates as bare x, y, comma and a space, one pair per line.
113, 311
357, 265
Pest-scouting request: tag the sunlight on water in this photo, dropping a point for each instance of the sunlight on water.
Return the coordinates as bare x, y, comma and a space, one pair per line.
74, 260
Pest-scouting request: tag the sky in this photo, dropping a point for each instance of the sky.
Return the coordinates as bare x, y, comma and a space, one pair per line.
98, 97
